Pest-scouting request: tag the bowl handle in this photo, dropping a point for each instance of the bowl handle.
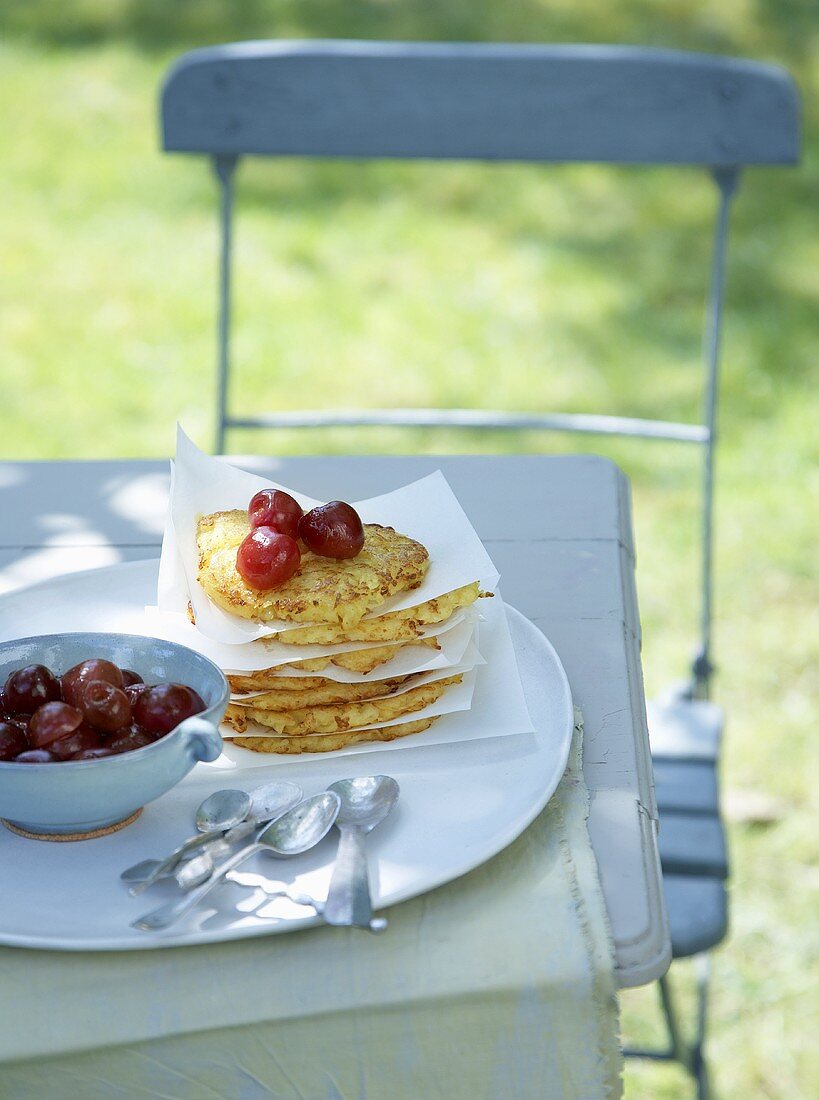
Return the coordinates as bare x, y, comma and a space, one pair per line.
201, 738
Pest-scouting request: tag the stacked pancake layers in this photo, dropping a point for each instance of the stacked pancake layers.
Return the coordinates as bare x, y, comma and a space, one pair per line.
299, 705
347, 652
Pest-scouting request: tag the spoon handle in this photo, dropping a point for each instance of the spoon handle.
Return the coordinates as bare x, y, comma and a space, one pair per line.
166, 866
167, 915
348, 900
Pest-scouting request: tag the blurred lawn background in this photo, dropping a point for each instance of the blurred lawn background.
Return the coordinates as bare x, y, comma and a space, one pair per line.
573, 289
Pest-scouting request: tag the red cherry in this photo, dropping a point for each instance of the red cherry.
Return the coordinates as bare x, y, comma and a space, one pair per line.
12, 741
160, 709
106, 707
30, 687
130, 678
130, 739
267, 558
273, 508
35, 756
52, 721
74, 681
81, 739
333, 530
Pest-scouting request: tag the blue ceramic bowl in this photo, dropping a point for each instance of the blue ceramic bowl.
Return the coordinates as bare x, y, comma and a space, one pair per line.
79, 796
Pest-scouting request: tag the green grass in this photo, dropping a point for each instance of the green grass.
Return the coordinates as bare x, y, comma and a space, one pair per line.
570, 288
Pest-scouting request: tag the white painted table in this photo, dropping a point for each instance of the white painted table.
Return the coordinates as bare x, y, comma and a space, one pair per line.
559, 531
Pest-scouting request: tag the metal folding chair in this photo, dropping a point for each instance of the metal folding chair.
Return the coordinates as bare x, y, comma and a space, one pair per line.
603, 104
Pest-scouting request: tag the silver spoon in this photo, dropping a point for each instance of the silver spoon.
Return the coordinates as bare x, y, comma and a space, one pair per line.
220, 811
193, 872
269, 802
365, 802
295, 832
219, 818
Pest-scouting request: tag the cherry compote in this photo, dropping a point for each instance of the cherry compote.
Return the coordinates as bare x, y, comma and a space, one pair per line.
12, 741
74, 681
83, 738
52, 721
160, 709
28, 688
127, 740
133, 692
93, 711
104, 706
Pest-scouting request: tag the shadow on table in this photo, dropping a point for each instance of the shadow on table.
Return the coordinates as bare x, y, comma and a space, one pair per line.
120, 517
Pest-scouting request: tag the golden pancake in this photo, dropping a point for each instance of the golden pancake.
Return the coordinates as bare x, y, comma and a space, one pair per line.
331, 741
361, 661
271, 681
324, 590
338, 717
365, 660
322, 695
395, 626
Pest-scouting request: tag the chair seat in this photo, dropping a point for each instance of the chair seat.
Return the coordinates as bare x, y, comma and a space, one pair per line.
697, 913
682, 728
685, 786
693, 844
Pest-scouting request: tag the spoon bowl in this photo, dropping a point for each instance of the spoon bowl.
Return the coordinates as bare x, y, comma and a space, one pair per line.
302, 827
273, 799
195, 871
365, 800
223, 810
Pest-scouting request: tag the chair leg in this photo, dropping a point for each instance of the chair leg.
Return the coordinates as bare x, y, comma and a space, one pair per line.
676, 1044
699, 1066
691, 1058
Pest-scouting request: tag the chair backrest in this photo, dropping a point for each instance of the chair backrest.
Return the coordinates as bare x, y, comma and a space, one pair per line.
484, 102
413, 100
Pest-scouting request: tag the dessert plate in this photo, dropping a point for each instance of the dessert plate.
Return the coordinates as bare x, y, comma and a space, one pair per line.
460, 804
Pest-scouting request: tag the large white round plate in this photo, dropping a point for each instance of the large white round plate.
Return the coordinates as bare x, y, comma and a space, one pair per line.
460, 803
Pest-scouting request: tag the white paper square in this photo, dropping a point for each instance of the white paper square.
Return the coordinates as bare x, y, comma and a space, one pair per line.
472, 659
498, 708
426, 510
267, 653
468, 659
454, 644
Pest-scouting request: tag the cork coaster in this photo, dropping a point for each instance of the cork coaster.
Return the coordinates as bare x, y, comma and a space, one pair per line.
62, 838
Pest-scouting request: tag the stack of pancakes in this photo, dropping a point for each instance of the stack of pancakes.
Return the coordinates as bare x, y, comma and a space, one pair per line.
288, 709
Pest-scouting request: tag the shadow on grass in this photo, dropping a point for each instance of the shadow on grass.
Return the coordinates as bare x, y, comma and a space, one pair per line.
158, 25
660, 247
665, 250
